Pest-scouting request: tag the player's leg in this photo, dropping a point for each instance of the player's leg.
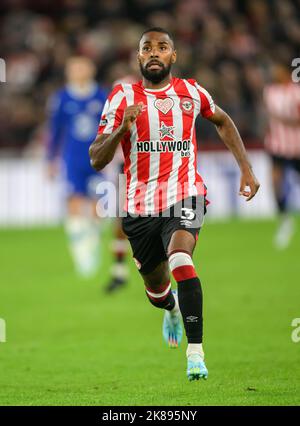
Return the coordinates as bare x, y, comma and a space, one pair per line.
82, 223
158, 286
151, 260
82, 229
119, 270
159, 293
180, 233
190, 299
296, 166
278, 173
285, 229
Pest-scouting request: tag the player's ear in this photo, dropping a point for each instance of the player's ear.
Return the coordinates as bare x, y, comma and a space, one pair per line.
174, 57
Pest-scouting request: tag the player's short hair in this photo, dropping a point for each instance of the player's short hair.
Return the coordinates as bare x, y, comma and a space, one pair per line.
158, 30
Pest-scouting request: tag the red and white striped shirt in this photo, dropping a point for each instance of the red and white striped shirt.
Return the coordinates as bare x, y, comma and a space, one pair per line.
283, 101
160, 151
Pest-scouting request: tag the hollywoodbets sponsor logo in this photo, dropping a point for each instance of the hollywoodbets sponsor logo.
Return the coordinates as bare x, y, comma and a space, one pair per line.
163, 146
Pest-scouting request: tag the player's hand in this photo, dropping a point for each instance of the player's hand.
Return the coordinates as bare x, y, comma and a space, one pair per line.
248, 180
131, 113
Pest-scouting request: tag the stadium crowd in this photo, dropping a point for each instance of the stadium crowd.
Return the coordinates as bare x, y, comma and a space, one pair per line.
227, 45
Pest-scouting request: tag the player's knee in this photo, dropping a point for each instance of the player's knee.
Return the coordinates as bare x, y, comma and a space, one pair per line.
158, 295
182, 240
182, 265
159, 275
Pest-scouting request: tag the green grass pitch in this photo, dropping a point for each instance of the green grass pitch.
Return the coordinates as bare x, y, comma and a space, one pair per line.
69, 344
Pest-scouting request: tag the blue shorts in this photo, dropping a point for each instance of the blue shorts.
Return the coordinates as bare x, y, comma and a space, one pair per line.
82, 181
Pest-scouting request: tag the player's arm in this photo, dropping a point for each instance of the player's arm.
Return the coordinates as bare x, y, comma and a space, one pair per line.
103, 149
231, 138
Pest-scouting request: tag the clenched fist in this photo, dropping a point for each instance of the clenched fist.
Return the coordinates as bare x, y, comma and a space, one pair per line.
248, 179
130, 115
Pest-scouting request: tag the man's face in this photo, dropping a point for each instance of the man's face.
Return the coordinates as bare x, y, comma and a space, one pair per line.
156, 56
79, 69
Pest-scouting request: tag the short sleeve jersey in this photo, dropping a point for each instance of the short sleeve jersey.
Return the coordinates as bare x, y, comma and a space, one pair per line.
160, 150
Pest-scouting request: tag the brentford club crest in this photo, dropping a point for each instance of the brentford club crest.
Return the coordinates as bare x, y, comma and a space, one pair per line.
187, 105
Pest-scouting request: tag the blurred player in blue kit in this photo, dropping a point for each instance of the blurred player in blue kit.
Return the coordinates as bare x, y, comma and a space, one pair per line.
74, 113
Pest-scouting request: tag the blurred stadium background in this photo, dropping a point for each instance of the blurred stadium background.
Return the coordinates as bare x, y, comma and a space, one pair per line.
64, 343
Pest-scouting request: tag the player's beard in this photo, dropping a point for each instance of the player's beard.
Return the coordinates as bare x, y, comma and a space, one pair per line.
156, 76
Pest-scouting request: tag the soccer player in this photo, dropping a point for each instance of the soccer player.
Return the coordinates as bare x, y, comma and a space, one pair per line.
154, 120
282, 101
74, 116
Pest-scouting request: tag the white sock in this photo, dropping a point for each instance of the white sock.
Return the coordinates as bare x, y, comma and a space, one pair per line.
119, 271
195, 348
83, 235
